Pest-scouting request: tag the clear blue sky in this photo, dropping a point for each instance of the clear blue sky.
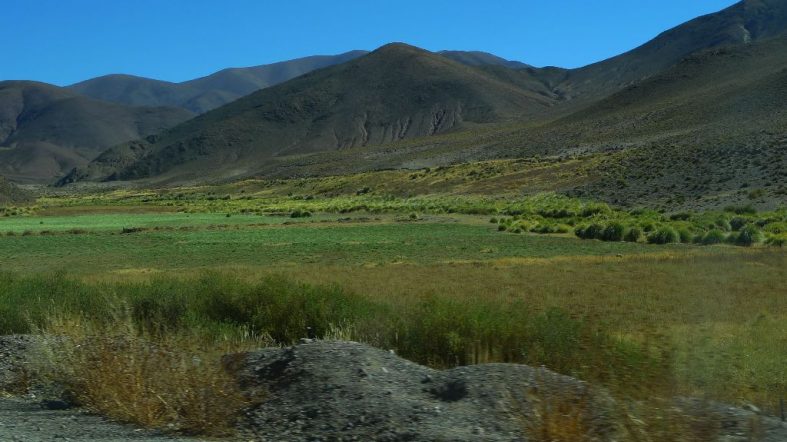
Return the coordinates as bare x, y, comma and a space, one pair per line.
65, 41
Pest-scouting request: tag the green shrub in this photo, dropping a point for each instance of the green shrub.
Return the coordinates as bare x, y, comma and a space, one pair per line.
776, 227
723, 224
633, 234
593, 231
614, 232
685, 235
713, 236
741, 210
749, 235
300, 214
683, 216
664, 235
777, 240
594, 209
737, 223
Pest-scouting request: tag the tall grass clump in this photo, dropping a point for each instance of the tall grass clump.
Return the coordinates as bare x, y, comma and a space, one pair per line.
748, 236
664, 235
171, 381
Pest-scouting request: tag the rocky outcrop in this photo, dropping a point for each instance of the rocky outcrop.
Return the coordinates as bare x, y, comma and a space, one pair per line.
349, 391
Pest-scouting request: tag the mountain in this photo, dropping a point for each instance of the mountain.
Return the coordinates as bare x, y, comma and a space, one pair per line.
695, 115
46, 130
203, 94
478, 58
742, 23
396, 92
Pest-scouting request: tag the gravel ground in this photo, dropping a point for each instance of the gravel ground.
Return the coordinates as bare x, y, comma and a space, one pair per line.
349, 391
26, 420
336, 391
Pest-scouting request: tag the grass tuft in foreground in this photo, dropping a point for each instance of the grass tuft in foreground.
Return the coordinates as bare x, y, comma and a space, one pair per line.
171, 381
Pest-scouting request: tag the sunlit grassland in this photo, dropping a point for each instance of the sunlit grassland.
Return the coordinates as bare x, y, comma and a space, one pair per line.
429, 275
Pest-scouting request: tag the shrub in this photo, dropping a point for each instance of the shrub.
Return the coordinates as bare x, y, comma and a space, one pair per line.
776, 227
685, 235
634, 234
300, 214
683, 216
664, 235
714, 236
723, 224
614, 232
593, 231
749, 235
741, 210
777, 240
737, 223
594, 209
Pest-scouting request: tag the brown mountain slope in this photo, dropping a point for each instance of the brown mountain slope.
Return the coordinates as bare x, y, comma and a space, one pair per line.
46, 130
745, 22
203, 94
397, 92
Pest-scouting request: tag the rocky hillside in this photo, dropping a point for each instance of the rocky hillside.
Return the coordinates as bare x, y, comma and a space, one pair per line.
46, 130
395, 93
203, 94
11, 194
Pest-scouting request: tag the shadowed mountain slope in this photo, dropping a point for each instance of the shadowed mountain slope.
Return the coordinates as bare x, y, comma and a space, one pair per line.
397, 92
46, 130
694, 117
478, 58
206, 93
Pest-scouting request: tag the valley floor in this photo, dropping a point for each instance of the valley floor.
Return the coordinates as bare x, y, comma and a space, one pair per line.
687, 319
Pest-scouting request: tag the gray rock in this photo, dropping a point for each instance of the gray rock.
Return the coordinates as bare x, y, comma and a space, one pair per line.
402, 400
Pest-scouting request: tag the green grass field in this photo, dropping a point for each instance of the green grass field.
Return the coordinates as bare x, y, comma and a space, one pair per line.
187, 241
433, 277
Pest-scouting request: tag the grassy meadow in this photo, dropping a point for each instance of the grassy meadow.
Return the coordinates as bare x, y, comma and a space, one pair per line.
444, 279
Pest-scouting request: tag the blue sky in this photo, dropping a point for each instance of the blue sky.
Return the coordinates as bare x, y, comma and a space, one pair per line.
65, 41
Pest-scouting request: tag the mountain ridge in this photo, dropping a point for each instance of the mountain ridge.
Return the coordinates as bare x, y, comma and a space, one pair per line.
46, 130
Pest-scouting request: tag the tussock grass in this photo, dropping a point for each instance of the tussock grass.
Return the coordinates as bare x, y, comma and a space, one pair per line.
171, 381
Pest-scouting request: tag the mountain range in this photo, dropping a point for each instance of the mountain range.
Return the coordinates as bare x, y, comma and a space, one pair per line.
709, 91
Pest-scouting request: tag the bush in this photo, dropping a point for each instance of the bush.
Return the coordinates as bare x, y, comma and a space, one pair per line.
685, 235
714, 236
300, 214
614, 232
723, 224
593, 231
664, 235
777, 240
741, 210
634, 234
737, 223
749, 235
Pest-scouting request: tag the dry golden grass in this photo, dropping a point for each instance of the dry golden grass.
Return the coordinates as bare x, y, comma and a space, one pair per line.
175, 383
561, 418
